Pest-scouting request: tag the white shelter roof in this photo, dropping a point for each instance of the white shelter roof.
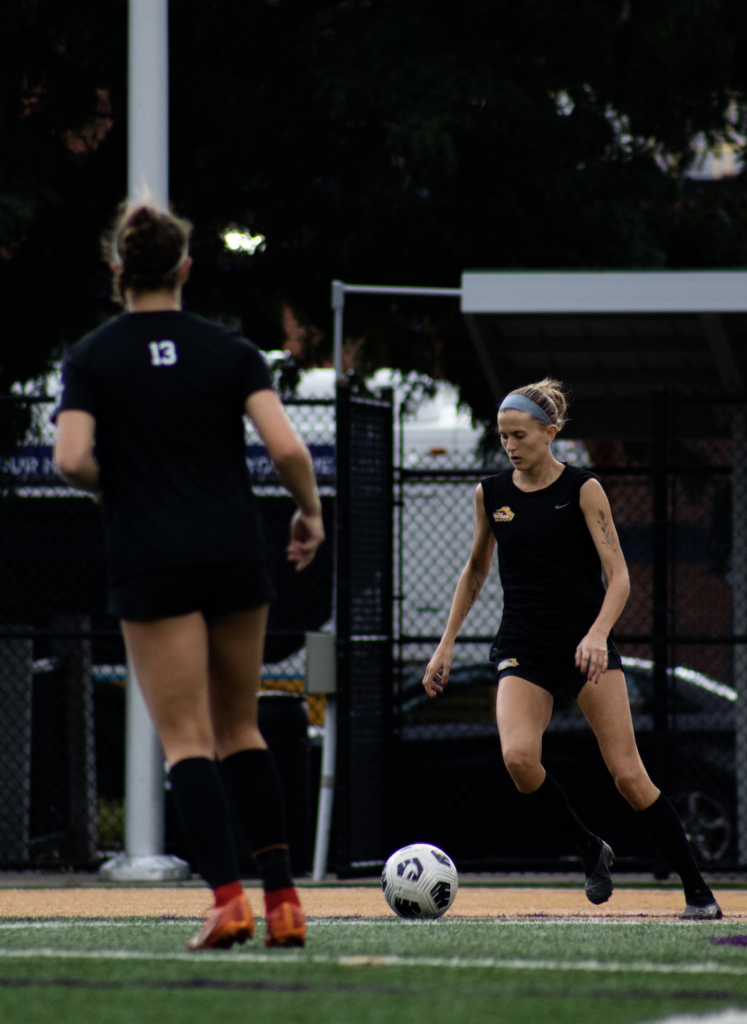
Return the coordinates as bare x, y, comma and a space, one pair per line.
604, 291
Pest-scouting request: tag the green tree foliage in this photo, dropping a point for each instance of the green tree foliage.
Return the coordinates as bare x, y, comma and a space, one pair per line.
380, 141
62, 88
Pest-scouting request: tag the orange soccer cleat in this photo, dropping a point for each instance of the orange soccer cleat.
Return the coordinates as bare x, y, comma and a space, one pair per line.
286, 926
233, 922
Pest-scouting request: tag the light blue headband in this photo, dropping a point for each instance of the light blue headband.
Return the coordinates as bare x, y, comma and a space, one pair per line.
524, 405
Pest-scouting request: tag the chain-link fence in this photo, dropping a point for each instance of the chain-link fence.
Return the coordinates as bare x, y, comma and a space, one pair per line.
62, 659
678, 505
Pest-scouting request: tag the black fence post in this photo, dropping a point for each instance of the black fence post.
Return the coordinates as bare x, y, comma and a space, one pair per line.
364, 632
16, 687
659, 460
75, 657
661, 558
391, 698
341, 854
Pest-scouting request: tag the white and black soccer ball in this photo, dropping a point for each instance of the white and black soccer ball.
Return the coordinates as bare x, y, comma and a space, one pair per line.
419, 881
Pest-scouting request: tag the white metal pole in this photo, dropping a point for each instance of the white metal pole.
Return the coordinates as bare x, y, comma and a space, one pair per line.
148, 102
147, 179
143, 859
326, 789
329, 741
143, 777
338, 305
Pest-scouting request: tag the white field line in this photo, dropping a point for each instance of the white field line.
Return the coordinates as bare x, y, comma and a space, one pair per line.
569, 966
721, 1017
601, 966
131, 954
336, 922
516, 922
83, 923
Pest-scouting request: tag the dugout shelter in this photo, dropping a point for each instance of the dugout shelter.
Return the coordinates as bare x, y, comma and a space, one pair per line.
612, 336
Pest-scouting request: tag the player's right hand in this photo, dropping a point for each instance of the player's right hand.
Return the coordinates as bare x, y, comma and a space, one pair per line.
306, 534
437, 674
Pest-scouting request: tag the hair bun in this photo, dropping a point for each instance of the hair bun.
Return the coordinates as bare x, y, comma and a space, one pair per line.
150, 245
551, 396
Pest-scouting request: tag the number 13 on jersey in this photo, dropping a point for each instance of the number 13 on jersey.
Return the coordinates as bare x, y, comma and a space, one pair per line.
162, 353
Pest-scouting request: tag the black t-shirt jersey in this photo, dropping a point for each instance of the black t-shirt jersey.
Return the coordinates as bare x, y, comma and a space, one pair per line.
550, 570
167, 390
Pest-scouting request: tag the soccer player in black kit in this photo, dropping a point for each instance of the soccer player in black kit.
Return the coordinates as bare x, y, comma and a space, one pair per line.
151, 422
554, 530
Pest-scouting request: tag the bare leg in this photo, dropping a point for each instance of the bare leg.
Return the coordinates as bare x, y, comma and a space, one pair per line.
607, 709
200, 682
236, 649
523, 711
170, 657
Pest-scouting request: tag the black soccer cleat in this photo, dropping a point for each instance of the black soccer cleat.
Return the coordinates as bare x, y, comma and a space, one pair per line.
701, 906
599, 885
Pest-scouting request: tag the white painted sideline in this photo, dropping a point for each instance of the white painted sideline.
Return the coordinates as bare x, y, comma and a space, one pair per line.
569, 966
722, 1017
357, 922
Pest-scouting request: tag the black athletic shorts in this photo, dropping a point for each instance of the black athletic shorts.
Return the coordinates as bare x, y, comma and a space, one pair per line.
552, 670
215, 588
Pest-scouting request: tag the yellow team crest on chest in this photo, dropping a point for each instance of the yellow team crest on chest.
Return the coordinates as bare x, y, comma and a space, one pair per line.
503, 515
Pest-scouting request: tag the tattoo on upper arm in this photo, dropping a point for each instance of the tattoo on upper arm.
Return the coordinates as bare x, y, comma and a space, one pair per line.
609, 539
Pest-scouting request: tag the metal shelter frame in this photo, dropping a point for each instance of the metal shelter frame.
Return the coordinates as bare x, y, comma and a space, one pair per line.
330, 742
340, 289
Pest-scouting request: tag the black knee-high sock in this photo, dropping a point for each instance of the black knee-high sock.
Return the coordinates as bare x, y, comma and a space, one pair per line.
665, 828
551, 803
258, 798
204, 815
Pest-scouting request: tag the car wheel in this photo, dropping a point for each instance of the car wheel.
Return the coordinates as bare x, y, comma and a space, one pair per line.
706, 822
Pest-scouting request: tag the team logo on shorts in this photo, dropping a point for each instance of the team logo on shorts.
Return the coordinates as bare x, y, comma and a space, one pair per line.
503, 515
508, 663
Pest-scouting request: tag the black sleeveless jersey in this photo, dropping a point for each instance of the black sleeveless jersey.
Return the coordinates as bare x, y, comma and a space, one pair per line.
167, 391
550, 570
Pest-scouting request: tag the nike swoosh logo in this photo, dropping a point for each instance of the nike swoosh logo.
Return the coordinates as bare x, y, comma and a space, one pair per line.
563, 506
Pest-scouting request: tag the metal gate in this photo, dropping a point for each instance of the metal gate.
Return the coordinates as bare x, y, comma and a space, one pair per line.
364, 633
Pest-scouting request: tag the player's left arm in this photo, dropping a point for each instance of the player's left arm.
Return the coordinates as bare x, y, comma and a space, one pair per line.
73, 450
591, 653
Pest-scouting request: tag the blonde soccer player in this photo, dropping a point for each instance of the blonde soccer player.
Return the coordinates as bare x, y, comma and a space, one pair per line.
151, 420
554, 531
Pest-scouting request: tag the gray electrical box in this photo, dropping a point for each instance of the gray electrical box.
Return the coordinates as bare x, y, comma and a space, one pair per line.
321, 663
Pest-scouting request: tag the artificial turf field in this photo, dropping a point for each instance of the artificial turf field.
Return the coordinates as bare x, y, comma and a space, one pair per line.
126, 970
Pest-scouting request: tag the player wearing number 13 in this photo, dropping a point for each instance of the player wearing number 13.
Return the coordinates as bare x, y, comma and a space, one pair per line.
167, 391
162, 394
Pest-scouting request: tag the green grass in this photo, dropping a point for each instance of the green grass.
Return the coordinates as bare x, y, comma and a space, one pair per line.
444, 972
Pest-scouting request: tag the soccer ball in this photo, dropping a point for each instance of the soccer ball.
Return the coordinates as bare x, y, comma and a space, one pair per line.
419, 881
